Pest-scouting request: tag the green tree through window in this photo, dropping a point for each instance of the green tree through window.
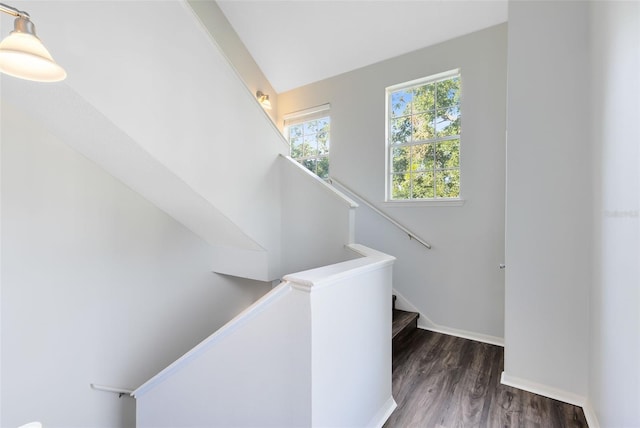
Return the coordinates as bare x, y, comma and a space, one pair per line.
423, 139
309, 143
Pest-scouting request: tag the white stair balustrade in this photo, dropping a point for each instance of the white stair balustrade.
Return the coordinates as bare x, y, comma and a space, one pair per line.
315, 351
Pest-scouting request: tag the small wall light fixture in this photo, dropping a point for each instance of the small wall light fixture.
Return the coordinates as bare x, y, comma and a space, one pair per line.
263, 99
23, 55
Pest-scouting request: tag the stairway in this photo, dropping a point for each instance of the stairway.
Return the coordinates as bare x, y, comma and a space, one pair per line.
404, 323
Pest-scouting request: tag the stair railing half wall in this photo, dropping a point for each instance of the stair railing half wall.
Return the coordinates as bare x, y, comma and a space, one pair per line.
317, 220
411, 235
314, 352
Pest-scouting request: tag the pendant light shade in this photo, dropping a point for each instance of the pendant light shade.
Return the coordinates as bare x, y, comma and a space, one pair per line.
23, 55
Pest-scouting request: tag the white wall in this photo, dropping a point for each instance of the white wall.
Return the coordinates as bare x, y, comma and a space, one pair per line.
253, 373
549, 226
89, 132
457, 284
299, 357
236, 52
317, 221
615, 300
156, 74
98, 285
351, 346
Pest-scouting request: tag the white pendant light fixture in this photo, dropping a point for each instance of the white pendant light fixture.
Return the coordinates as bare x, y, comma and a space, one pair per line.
23, 55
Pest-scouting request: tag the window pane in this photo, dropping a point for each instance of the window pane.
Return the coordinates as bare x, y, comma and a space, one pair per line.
448, 183
400, 130
400, 158
423, 127
310, 127
423, 157
401, 103
423, 185
448, 93
323, 124
323, 167
310, 164
297, 150
400, 186
424, 98
310, 145
448, 154
295, 131
323, 136
323, 144
448, 122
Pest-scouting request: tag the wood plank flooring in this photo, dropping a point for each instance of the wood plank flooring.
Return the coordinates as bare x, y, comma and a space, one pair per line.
442, 381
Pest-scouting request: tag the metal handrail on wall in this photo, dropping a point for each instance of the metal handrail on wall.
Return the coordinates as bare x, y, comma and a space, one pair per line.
385, 216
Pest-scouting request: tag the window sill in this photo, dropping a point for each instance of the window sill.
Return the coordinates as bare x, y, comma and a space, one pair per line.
426, 203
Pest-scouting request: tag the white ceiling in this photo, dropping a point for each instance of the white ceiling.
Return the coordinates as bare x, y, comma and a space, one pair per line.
304, 41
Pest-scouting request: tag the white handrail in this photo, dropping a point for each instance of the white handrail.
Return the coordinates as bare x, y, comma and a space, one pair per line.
385, 216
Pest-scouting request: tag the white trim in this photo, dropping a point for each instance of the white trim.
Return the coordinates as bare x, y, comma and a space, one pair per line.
365, 251
419, 82
34, 424
437, 202
434, 140
383, 413
117, 390
544, 390
241, 319
306, 112
425, 323
590, 414
326, 276
429, 325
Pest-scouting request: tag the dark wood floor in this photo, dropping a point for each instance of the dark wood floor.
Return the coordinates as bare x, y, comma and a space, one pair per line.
442, 381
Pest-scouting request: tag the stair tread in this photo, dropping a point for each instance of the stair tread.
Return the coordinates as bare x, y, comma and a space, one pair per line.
401, 320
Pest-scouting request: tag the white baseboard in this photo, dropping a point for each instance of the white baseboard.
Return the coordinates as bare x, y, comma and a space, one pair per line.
383, 414
577, 400
554, 393
590, 414
544, 390
426, 324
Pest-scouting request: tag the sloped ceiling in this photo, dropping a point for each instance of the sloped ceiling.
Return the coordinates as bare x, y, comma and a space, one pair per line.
299, 42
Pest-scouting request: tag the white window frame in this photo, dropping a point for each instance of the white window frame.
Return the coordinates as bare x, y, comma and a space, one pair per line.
307, 115
435, 201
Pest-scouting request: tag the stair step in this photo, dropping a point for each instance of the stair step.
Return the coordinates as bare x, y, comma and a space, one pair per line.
403, 322
393, 301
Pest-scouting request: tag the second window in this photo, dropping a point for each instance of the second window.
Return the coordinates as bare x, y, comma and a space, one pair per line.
423, 139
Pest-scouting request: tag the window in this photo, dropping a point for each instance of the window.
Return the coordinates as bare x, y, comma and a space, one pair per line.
423, 139
308, 135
